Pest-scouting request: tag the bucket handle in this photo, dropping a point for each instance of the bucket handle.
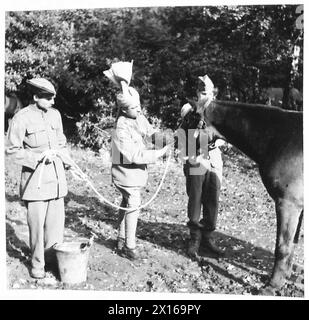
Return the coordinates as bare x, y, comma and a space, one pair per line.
54, 245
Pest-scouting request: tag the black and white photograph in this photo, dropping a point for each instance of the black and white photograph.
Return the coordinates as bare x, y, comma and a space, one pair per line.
153, 150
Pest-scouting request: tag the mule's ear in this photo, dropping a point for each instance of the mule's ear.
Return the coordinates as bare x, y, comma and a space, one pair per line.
192, 102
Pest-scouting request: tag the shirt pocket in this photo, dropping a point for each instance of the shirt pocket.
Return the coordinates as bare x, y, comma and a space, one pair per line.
36, 135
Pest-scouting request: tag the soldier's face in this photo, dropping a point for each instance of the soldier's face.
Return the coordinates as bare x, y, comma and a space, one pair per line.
45, 101
132, 111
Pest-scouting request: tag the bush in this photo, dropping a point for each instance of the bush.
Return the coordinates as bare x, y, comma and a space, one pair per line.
94, 131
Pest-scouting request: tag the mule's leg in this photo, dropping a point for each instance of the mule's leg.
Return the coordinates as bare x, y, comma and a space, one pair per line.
296, 238
288, 216
295, 241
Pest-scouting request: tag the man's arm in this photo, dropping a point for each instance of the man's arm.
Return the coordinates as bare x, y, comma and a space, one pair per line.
15, 148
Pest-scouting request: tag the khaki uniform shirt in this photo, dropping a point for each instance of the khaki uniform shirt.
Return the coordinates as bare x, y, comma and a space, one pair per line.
129, 154
31, 132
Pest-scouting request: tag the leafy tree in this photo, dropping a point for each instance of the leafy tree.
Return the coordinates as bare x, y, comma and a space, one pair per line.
243, 49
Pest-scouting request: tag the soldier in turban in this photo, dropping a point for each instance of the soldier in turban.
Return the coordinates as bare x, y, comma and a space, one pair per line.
130, 156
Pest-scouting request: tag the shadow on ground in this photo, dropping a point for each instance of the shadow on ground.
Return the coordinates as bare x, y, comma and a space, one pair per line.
15, 247
84, 221
169, 236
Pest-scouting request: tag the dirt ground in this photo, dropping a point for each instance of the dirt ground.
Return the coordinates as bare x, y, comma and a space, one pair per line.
246, 229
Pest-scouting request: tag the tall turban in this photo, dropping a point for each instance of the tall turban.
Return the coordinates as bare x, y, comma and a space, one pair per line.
208, 95
120, 74
119, 71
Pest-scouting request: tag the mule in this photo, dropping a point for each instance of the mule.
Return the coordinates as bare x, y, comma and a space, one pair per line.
274, 97
273, 138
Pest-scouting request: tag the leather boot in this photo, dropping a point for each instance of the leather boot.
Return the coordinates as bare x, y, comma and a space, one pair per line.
120, 244
208, 244
128, 253
194, 242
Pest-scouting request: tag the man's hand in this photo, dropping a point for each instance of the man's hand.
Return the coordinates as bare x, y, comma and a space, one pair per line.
47, 156
163, 151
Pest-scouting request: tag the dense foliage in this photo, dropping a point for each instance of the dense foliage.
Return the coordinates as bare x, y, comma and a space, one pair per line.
244, 49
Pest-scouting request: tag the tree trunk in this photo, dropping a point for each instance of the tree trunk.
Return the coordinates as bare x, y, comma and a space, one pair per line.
287, 101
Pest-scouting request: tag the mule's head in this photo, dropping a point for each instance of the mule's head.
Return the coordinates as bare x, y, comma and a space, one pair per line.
206, 93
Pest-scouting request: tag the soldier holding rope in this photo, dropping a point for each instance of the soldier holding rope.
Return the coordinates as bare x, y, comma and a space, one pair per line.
129, 156
36, 141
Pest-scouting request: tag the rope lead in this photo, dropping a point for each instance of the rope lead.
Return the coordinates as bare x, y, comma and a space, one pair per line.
85, 178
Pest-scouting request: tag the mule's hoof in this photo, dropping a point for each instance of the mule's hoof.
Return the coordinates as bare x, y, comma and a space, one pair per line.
268, 291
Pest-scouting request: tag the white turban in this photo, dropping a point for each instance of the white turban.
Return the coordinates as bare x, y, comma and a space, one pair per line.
120, 71
209, 86
120, 74
206, 97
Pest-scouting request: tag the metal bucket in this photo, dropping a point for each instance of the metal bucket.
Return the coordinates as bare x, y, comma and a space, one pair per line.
72, 260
